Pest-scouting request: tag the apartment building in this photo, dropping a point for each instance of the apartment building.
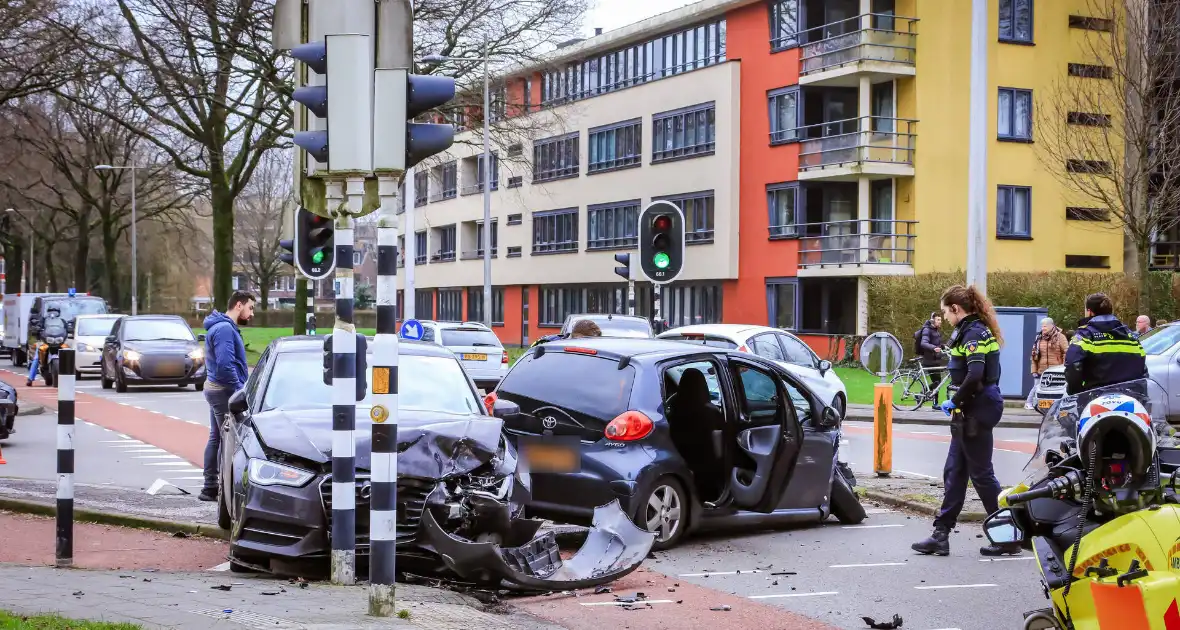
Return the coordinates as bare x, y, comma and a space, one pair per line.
811, 144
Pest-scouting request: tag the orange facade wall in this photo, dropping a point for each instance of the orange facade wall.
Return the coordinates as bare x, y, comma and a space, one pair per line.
748, 40
509, 334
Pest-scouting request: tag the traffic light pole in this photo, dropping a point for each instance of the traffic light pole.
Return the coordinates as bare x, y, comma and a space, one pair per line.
631, 298
344, 391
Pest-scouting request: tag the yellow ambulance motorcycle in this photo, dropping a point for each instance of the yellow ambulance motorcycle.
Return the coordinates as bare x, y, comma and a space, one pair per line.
1099, 509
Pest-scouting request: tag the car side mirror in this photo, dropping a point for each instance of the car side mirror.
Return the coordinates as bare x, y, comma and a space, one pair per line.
238, 403
830, 418
111, 339
824, 366
505, 409
1001, 528
201, 337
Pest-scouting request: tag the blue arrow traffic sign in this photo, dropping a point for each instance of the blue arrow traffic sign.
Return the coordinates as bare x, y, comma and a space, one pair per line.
412, 330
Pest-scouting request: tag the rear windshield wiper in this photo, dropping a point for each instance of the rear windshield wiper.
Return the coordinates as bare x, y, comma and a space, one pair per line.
484, 343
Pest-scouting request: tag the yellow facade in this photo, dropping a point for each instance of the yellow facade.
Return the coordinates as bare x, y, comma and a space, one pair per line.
938, 97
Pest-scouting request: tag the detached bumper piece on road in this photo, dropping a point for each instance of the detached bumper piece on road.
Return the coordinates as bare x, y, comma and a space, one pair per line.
613, 548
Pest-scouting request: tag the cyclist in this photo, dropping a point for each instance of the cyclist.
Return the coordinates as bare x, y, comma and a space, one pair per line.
933, 360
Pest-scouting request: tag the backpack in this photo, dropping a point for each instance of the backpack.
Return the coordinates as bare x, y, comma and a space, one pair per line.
918, 341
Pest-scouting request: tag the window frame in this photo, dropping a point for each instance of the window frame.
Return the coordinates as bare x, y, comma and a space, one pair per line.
445, 255
617, 162
1013, 95
552, 151
692, 235
772, 304
556, 247
449, 294
664, 123
561, 309
421, 188
1010, 190
1032, 21
421, 247
475, 305
772, 98
708, 295
774, 13
784, 231
614, 242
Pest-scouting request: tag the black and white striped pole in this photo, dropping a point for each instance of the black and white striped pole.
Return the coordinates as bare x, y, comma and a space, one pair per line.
343, 401
65, 457
383, 508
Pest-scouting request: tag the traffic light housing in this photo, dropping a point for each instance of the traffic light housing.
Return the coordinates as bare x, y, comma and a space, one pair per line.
401, 143
661, 242
625, 270
345, 61
312, 252
362, 364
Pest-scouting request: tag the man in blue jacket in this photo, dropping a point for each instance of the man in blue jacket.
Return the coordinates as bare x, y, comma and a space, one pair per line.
226, 369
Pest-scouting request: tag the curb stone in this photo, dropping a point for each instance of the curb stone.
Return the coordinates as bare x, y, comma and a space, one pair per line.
30, 410
115, 518
915, 506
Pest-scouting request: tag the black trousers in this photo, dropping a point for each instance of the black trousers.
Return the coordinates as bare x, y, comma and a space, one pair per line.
970, 458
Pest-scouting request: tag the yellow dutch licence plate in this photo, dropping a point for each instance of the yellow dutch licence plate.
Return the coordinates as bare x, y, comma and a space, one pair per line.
1044, 404
475, 357
551, 458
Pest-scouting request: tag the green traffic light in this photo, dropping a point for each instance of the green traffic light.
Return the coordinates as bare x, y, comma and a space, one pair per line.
318, 257
661, 260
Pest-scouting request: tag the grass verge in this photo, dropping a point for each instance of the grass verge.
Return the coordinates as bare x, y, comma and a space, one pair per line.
859, 384
10, 621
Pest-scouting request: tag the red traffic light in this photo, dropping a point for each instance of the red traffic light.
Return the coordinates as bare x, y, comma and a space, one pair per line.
662, 222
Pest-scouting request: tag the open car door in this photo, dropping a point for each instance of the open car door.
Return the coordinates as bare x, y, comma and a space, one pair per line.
768, 436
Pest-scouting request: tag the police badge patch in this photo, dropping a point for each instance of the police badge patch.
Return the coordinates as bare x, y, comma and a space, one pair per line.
972, 346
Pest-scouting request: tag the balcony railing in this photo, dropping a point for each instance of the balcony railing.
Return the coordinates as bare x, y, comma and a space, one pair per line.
859, 242
1165, 256
478, 188
443, 256
442, 195
858, 140
476, 254
888, 39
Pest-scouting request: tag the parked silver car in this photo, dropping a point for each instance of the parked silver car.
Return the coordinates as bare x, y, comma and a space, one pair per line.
1050, 388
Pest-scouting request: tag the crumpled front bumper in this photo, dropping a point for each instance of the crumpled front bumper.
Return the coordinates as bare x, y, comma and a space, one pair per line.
614, 547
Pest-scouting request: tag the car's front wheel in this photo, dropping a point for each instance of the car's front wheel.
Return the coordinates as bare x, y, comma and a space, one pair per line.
120, 385
106, 382
839, 405
223, 519
664, 512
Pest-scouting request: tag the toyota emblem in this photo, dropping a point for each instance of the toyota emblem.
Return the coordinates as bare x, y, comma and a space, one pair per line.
549, 422
366, 490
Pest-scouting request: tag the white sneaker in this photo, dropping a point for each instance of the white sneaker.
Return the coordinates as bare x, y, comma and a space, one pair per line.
1027, 406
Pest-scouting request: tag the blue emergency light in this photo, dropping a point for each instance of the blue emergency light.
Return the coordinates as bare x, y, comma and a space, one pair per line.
71, 291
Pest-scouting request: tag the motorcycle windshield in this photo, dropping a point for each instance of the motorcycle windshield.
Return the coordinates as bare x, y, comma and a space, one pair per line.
1059, 429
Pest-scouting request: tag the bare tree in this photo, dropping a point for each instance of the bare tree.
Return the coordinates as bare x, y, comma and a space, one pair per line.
262, 209
1109, 127
34, 56
214, 90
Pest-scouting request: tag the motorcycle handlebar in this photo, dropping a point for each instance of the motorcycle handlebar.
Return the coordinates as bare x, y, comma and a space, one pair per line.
1043, 492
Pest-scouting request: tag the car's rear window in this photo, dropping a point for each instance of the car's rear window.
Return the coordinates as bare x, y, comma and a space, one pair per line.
711, 341
469, 337
590, 385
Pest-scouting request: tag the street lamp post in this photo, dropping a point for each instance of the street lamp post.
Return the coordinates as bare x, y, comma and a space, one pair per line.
134, 229
487, 179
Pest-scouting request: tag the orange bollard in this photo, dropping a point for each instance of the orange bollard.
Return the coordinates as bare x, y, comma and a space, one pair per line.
883, 429
2, 461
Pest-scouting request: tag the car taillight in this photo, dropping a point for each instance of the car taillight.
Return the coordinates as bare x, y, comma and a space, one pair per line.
489, 401
629, 426
504, 359
580, 350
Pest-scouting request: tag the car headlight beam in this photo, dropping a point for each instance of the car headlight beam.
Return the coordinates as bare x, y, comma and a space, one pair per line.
130, 355
197, 353
267, 473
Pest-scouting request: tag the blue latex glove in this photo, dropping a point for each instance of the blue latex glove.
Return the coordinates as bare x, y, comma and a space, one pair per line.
947, 406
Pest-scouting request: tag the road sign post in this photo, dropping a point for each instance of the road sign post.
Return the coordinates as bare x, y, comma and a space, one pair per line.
881, 354
65, 456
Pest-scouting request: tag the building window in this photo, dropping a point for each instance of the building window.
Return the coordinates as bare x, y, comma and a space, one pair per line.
1015, 111
613, 225
607, 300
357, 258
515, 219
514, 252
424, 303
516, 150
420, 249
698, 216
784, 24
1014, 212
450, 305
1091, 23
557, 304
1016, 21
479, 237
515, 182
1090, 71
495, 171
781, 203
782, 303
1076, 261
615, 146
555, 158
446, 244
1088, 120
686, 304
1087, 214
421, 188
450, 179
475, 305
555, 231
784, 115
1088, 167
684, 133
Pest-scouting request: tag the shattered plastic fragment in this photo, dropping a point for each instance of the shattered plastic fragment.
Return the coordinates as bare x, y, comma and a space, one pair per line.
722, 608
884, 625
221, 587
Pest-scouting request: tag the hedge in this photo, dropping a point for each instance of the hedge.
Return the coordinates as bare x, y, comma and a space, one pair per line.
900, 304
280, 318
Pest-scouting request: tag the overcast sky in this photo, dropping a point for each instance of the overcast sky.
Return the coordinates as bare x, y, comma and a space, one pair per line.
612, 14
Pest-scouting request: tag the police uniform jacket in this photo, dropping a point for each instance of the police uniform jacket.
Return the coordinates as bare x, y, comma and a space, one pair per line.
975, 359
1103, 352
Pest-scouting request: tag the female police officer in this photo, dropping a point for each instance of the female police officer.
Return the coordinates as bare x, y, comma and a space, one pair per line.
977, 407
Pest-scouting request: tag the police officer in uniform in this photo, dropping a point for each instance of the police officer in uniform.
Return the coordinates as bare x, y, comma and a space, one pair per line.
1103, 350
975, 409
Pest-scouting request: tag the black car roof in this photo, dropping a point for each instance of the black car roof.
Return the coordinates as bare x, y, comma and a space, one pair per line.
654, 349
139, 317
315, 343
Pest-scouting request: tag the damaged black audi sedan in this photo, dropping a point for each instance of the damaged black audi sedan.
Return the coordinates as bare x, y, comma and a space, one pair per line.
460, 491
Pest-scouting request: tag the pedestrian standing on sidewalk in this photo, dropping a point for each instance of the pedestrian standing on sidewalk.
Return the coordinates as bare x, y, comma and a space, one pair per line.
226, 369
975, 407
1142, 326
1048, 350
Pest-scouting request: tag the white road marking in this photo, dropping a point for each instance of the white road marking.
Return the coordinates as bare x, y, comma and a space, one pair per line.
931, 588
871, 526
125, 437
637, 603
719, 573
175, 418
1008, 450
187, 470
156, 457
224, 566
148, 450
127, 441
873, 564
926, 432
794, 595
906, 472
160, 463
1007, 559
184, 478
878, 511
135, 444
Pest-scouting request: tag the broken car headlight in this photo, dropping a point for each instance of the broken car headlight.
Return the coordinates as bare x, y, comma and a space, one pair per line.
265, 473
